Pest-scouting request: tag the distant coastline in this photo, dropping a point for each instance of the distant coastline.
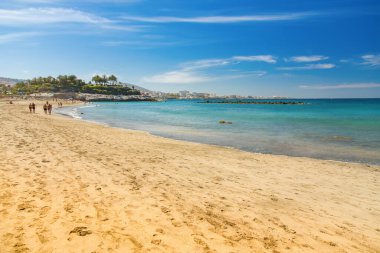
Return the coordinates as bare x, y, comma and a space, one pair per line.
254, 102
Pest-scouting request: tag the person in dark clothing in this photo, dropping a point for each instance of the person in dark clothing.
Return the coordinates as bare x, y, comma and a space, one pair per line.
46, 107
50, 108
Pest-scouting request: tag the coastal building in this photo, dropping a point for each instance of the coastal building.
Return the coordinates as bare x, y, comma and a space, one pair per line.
184, 93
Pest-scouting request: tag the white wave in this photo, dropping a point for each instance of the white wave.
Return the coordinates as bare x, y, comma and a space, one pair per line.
88, 106
72, 112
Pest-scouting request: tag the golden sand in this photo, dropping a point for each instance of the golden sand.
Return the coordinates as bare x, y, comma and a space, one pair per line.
73, 186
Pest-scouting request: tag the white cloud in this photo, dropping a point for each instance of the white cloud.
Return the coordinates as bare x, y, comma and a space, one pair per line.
36, 1
242, 74
189, 73
371, 59
64, 1
221, 19
32, 16
203, 64
311, 58
310, 67
140, 44
341, 86
44, 16
209, 63
176, 77
263, 58
113, 1
11, 37
187, 77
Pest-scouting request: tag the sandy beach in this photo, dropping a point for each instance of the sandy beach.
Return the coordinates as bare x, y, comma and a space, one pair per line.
73, 186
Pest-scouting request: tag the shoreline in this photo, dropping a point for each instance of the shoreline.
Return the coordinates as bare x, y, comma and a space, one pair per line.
214, 145
75, 186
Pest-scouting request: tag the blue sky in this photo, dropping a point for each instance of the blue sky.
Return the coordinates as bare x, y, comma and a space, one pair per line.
297, 48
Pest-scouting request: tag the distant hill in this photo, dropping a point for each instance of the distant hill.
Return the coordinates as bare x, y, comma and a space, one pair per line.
9, 81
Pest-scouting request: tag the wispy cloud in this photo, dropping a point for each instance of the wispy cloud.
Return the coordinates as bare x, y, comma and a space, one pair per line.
341, 86
11, 37
204, 64
263, 58
142, 44
43, 16
32, 16
191, 72
241, 74
113, 1
371, 59
176, 77
222, 19
36, 1
70, 1
310, 67
210, 63
310, 58
188, 77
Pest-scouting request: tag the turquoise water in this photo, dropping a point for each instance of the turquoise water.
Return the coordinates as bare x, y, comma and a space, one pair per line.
338, 129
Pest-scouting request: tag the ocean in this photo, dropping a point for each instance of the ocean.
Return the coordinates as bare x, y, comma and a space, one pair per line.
336, 129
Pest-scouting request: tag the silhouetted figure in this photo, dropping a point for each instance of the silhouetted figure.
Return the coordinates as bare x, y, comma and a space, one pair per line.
34, 107
46, 107
50, 108
30, 107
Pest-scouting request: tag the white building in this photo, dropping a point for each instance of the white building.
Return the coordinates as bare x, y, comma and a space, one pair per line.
184, 93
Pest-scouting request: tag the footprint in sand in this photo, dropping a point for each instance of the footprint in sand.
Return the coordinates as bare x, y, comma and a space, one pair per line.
25, 207
156, 241
201, 243
269, 242
165, 210
81, 231
44, 210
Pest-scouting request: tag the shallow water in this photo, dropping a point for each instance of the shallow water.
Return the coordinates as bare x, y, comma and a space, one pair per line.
338, 129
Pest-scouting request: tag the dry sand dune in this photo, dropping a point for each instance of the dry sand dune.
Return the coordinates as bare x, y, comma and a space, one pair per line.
73, 186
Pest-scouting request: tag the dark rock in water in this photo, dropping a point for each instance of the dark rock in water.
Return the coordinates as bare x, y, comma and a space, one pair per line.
224, 122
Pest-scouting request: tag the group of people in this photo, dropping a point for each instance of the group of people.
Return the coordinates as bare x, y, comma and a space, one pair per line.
32, 108
47, 107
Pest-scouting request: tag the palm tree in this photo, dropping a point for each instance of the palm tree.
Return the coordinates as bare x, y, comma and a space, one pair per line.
97, 79
112, 79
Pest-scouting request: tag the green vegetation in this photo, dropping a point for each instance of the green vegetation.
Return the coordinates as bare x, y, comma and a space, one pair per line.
104, 80
4, 88
109, 90
70, 83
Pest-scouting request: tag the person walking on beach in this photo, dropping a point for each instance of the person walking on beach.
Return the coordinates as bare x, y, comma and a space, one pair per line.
46, 107
34, 107
50, 108
30, 107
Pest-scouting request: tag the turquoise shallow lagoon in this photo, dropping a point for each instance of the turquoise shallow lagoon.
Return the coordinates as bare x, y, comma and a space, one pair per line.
338, 129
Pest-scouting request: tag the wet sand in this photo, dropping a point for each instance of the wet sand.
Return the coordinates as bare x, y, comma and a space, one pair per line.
73, 186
